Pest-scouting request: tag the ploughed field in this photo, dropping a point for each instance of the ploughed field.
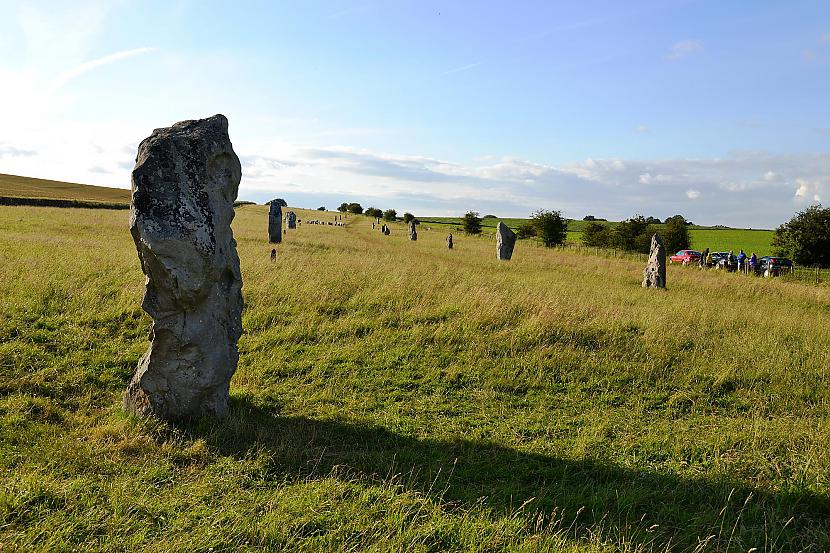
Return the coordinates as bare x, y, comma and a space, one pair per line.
394, 395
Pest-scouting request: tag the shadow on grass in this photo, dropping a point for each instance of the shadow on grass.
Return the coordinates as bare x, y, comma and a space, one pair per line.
645, 508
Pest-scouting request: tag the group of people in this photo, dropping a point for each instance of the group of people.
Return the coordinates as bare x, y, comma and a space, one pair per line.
740, 262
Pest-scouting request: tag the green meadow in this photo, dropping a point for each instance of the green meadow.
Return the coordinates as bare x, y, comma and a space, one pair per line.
396, 396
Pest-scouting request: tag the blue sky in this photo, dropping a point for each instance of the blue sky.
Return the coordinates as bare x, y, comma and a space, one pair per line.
716, 110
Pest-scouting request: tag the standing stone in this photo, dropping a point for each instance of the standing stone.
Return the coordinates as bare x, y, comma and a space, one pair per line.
275, 223
386, 230
413, 232
449, 242
654, 275
505, 240
184, 183
373, 226
292, 220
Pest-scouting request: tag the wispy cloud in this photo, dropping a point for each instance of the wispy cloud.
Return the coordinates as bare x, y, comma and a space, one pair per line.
61, 80
11, 151
462, 68
641, 129
684, 48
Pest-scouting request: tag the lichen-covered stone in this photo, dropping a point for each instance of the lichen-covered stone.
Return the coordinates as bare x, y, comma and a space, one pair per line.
505, 241
449, 242
292, 220
413, 232
654, 275
184, 184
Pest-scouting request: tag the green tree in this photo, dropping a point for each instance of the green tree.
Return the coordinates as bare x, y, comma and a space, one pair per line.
471, 223
355, 208
675, 234
550, 227
806, 237
390, 215
633, 234
407, 217
597, 235
344, 207
373, 212
526, 230
321, 208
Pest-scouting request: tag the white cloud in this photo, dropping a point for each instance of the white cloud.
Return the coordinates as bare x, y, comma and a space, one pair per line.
641, 129
684, 48
810, 189
693, 194
73, 73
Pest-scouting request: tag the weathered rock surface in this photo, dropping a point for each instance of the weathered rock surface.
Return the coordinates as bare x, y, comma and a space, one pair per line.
292, 220
413, 232
449, 242
505, 241
275, 223
184, 184
654, 275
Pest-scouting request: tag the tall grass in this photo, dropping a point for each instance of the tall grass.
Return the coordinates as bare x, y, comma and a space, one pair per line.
394, 395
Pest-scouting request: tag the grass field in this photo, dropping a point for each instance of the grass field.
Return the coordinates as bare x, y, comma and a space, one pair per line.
716, 239
26, 187
394, 395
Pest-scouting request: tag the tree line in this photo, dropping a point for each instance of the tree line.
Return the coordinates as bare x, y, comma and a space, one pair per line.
805, 238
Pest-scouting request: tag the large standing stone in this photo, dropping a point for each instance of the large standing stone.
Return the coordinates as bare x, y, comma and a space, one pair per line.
449, 242
184, 184
275, 223
505, 240
292, 220
654, 275
413, 232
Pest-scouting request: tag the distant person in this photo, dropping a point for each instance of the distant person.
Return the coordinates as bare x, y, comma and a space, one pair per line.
753, 262
741, 261
703, 258
708, 258
273, 254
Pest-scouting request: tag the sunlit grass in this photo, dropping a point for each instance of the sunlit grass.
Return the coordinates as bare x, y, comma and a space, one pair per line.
394, 395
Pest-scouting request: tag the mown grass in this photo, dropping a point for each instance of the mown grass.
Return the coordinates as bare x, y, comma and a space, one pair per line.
394, 395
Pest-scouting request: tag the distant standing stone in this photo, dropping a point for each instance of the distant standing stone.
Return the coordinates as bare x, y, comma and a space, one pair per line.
373, 226
386, 230
292, 220
413, 232
505, 241
275, 223
449, 242
184, 183
654, 275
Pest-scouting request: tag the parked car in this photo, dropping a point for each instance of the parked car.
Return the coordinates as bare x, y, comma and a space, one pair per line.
771, 266
725, 261
686, 257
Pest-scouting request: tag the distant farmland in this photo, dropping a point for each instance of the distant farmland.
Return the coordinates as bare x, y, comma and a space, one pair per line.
716, 239
12, 186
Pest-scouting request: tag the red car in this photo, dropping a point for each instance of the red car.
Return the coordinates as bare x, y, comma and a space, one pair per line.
686, 257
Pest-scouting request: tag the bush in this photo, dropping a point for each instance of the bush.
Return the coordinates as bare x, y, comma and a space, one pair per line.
526, 230
806, 237
373, 212
597, 235
550, 226
390, 215
344, 207
676, 234
355, 208
471, 223
489, 217
407, 217
321, 208
633, 234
